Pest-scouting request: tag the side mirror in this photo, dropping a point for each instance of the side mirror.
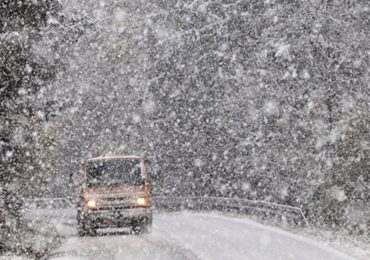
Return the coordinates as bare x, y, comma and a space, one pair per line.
75, 179
147, 161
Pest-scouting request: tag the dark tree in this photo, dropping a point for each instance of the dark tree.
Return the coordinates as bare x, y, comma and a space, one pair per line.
23, 72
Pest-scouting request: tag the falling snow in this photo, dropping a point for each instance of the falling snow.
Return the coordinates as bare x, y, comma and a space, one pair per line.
254, 109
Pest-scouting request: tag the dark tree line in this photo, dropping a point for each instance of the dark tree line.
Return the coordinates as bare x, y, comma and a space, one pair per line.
26, 26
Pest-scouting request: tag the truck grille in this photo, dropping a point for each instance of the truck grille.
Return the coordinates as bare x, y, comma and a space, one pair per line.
116, 202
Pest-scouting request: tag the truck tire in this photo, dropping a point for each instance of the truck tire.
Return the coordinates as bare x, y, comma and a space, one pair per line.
82, 228
141, 228
83, 231
147, 228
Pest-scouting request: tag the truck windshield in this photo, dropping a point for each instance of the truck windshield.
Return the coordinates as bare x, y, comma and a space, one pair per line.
113, 172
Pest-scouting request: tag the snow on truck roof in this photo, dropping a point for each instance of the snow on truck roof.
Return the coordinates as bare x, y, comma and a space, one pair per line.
116, 157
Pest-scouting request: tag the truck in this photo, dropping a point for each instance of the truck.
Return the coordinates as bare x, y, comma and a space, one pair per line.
115, 192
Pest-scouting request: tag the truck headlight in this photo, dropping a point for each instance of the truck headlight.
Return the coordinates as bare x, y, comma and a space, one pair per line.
91, 204
141, 201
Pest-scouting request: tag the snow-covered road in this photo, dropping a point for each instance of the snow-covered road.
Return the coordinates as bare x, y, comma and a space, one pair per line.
188, 235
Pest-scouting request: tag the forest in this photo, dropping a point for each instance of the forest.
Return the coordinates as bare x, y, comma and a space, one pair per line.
264, 100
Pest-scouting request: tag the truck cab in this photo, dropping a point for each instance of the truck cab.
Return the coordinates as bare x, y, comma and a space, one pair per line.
115, 193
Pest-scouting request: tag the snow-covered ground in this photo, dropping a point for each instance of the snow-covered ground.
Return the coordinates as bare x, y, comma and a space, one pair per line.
188, 235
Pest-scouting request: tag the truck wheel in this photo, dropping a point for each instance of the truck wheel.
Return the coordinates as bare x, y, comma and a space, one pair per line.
147, 227
142, 229
136, 230
82, 228
83, 231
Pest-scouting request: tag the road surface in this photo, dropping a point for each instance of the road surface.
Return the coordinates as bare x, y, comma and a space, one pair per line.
186, 235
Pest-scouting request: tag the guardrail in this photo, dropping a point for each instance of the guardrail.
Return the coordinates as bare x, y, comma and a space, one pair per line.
244, 206
55, 202
174, 203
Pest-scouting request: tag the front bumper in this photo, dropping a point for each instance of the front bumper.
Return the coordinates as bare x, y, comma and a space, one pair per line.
114, 217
